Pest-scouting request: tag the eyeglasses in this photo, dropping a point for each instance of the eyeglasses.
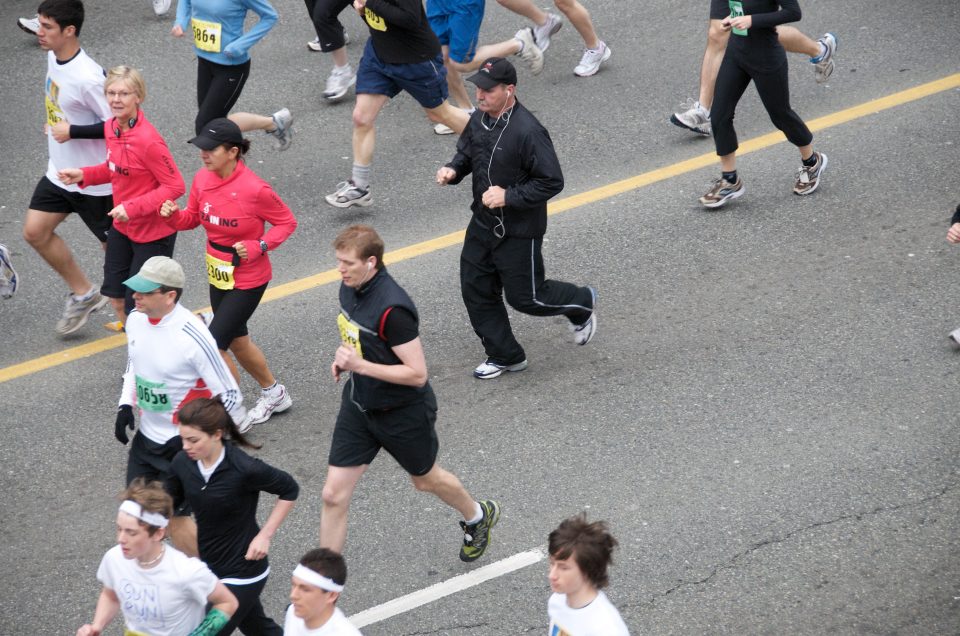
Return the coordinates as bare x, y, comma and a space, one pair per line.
120, 94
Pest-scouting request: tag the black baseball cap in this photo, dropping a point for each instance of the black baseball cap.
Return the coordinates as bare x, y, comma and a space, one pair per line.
494, 71
217, 131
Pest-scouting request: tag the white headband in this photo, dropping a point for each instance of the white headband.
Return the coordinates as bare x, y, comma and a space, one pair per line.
316, 579
134, 509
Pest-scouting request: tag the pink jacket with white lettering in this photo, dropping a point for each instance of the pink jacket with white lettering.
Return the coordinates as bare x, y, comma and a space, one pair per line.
143, 175
234, 210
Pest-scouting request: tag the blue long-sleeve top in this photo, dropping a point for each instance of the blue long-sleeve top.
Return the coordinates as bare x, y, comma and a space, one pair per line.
217, 27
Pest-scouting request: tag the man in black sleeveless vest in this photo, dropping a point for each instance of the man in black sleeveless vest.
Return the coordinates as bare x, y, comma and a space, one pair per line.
387, 401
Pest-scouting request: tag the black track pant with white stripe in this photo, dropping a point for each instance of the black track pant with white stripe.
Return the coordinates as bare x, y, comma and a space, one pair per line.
491, 269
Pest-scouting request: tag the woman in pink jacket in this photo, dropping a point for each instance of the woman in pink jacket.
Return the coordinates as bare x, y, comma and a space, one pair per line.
143, 175
233, 204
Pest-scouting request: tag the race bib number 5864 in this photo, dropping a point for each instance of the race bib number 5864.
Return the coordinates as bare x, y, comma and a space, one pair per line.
206, 35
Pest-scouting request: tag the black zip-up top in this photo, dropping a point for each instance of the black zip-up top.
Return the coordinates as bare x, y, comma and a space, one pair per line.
226, 507
760, 48
400, 32
516, 153
363, 313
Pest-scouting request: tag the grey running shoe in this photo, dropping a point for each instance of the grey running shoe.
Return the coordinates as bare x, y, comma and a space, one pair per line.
348, 194
476, 536
694, 117
530, 53
8, 276
543, 33
954, 337
808, 178
442, 129
592, 59
582, 334
160, 7
721, 192
490, 369
77, 311
30, 25
283, 131
823, 65
339, 82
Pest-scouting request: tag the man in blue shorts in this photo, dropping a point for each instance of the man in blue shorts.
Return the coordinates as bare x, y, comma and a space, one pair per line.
457, 25
402, 54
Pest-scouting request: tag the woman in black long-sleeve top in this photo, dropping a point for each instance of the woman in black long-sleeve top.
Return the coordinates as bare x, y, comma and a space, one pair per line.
223, 484
754, 53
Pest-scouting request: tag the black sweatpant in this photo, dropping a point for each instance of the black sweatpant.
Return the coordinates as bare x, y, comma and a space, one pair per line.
774, 89
326, 22
218, 89
249, 617
491, 268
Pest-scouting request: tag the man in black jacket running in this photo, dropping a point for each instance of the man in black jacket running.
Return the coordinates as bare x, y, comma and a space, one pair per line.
515, 172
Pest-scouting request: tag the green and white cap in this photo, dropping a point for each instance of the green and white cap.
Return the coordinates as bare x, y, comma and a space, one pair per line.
158, 271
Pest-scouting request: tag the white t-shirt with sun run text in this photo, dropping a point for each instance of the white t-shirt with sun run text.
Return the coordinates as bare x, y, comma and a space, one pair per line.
168, 599
74, 91
337, 625
598, 618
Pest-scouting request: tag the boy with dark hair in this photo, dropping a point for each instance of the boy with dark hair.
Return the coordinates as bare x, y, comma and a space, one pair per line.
317, 584
580, 554
73, 93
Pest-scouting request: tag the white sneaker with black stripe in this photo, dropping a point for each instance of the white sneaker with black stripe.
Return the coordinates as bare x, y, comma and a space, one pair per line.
489, 369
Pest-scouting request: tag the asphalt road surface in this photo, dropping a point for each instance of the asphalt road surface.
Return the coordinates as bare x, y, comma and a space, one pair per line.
766, 418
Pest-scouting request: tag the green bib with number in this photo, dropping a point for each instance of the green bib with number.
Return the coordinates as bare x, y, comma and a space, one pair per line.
349, 334
220, 273
206, 35
152, 396
736, 10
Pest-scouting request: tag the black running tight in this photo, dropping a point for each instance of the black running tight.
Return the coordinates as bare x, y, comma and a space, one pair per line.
774, 89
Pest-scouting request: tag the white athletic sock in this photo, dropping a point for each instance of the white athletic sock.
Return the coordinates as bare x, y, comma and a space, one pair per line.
273, 388
361, 176
477, 514
87, 296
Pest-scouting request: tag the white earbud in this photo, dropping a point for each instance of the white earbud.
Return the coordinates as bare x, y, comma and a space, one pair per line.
369, 266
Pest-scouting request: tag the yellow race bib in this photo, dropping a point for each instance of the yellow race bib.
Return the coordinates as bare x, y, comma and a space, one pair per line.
206, 35
349, 334
220, 273
375, 21
129, 632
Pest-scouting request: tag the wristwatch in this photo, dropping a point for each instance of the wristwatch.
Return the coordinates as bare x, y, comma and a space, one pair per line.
263, 246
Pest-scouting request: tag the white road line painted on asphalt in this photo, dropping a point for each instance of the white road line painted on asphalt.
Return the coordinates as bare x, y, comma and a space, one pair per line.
437, 591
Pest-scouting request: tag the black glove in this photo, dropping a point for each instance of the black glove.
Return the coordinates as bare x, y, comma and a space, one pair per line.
124, 420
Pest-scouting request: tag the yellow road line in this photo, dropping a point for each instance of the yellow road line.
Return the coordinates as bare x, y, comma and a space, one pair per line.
591, 196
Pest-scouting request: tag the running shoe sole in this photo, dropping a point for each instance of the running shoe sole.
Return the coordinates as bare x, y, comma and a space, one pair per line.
736, 194
676, 122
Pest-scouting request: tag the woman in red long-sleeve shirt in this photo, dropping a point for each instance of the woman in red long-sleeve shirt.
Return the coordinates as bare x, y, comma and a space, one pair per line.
143, 175
233, 204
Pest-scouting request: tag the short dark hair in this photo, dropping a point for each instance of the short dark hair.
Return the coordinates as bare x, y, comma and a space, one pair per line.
64, 12
362, 238
326, 562
590, 544
163, 289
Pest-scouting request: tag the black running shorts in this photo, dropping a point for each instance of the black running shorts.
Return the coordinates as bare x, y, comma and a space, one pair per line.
49, 197
152, 462
407, 432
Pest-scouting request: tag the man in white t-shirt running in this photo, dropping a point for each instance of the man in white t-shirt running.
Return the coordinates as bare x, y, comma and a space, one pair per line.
159, 590
73, 94
317, 584
580, 554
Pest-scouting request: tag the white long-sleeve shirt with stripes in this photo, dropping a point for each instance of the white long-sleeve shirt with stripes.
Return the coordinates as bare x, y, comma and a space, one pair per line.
170, 363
